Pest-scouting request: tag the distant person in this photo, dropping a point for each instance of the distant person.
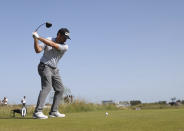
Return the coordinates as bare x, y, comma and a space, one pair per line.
71, 98
54, 49
23, 101
5, 101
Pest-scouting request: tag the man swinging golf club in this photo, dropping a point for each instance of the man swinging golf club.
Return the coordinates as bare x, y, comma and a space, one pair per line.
54, 49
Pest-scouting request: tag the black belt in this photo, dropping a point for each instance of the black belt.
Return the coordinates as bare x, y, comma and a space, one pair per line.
41, 63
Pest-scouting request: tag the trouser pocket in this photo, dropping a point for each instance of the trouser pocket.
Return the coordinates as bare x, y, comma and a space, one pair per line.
41, 67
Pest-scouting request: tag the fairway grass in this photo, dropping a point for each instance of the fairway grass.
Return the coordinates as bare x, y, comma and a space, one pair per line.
119, 120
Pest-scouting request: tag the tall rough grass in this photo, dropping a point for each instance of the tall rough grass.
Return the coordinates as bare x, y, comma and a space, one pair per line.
83, 106
5, 110
76, 106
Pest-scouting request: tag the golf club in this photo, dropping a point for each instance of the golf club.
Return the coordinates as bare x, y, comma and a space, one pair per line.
48, 25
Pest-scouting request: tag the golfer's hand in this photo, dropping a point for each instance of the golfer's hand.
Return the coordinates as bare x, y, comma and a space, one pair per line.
35, 35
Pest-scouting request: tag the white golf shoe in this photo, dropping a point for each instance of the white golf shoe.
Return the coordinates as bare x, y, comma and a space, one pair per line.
56, 114
39, 115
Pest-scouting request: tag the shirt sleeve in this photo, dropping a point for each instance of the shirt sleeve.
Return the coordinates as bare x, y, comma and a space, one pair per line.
63, 47
42, 45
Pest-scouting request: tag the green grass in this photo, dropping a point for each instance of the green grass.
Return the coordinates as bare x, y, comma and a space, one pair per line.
117, 120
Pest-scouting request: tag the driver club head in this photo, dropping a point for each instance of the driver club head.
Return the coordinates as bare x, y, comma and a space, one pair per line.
48, 25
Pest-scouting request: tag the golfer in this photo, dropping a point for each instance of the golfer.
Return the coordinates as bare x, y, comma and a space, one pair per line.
54, 49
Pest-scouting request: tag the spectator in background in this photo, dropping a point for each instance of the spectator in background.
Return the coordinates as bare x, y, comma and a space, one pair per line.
5, 101
23, 101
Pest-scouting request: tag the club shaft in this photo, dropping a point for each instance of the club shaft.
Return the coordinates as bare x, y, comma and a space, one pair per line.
39, 27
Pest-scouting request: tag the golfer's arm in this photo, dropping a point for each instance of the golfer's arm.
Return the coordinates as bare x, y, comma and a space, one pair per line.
37, 48
49, 42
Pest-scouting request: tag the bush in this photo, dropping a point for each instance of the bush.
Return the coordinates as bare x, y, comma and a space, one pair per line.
135, 102
162, 102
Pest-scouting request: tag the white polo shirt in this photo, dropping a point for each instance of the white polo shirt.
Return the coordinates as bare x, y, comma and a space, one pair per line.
23, 101
51, 56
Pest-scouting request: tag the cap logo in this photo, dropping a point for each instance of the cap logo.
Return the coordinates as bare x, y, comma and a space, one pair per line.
66, 33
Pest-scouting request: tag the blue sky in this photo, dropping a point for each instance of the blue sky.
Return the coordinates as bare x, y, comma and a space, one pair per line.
120, 50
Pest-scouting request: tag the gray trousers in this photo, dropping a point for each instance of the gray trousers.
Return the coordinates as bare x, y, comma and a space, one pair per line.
49, 78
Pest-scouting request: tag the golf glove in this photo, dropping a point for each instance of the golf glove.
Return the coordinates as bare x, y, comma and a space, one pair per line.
35, 34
